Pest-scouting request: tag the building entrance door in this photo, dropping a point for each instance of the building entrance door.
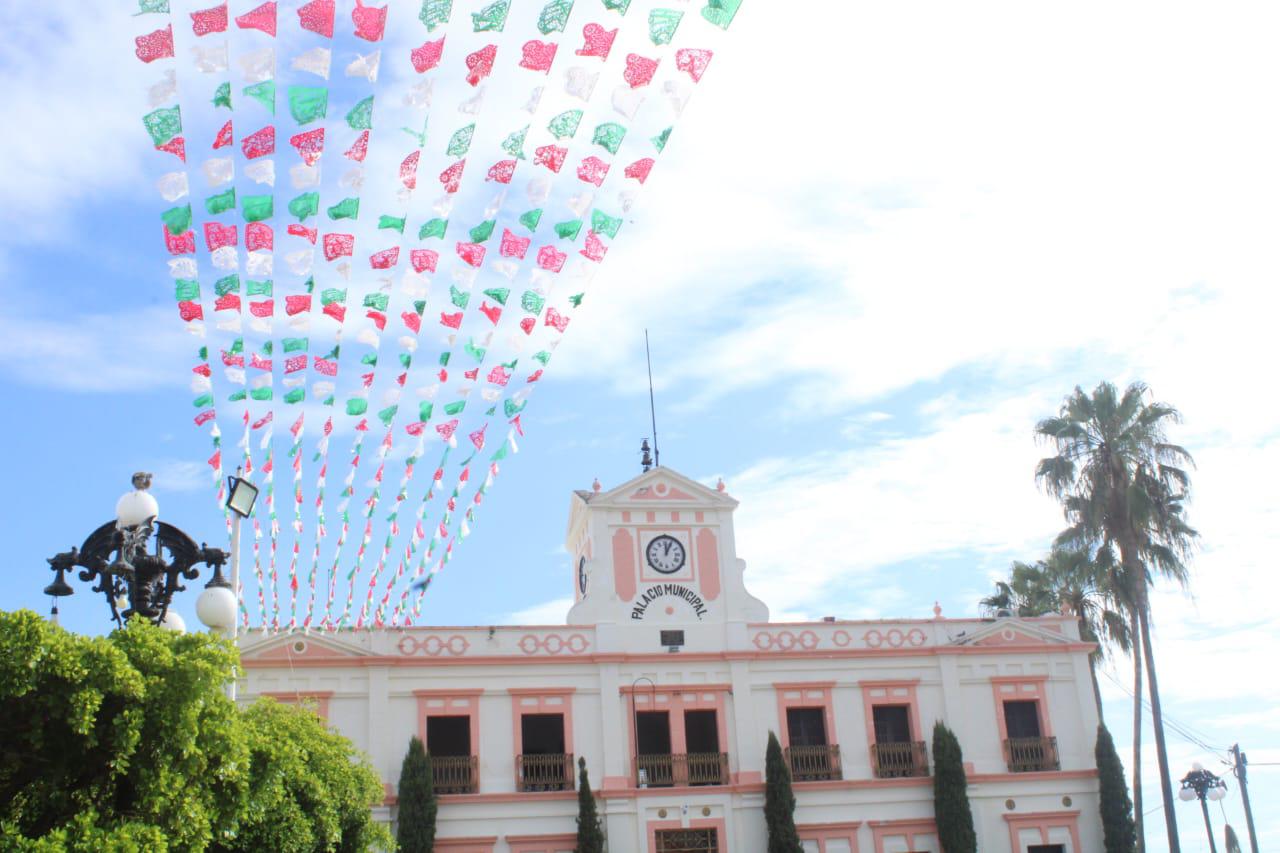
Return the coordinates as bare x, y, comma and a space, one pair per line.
686, 841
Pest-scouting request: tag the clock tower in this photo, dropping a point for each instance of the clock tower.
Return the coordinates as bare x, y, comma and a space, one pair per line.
654, 560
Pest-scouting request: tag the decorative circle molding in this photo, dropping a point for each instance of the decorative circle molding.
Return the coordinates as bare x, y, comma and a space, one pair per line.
553, 644
433, 645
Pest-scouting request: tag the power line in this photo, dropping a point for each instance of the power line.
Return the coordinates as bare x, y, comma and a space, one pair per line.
1179, 729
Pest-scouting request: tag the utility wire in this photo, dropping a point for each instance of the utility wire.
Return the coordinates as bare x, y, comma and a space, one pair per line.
1179, 729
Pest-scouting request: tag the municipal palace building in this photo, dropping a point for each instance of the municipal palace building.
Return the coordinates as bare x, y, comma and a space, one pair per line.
668, 678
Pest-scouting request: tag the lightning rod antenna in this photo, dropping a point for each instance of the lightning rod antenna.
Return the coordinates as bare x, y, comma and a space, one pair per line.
653, 413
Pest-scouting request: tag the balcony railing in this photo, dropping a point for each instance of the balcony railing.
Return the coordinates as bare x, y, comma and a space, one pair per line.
899, 760
814, 763
454, 774
544, 772
1031, 754
695, 768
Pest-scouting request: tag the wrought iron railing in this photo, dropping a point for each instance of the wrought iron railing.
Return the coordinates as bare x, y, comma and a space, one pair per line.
694, 768
686, 841
544, 772
1031, 754
814, 763
455, 774
899, 760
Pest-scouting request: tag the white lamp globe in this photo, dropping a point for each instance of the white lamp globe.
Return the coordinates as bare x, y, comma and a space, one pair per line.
174, 622
216, 608
135, 507
1186, 795
1217, 792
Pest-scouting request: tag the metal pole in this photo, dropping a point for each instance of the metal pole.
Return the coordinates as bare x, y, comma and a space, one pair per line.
653, 413
1204, 807
1241, 762
235, 588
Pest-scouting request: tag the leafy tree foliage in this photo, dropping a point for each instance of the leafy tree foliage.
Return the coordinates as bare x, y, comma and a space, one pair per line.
779, 801
416, 830
1122, 485
304, 791
1072, 582
127, 743
1118, 833
590, 835
950, 794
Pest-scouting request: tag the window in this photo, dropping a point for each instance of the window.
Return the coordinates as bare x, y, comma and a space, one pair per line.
450, 729
654, 760
686, 841
1022, 719
677, 734
448, 736
894, 742
807, 725
892, 723
1021, 715
1047, 848
543, 732
839, 837
543, 763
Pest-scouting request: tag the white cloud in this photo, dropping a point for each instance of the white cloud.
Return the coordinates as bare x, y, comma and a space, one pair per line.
177, 475
77, 95
123, 351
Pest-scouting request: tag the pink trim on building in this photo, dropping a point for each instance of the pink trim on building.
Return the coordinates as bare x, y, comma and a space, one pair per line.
675, 699
804, 694
624, 564
1022, 688
716, 823
824, 833
708, 563
900, 692
911, 831
565, 841
450, 703
1043, 823
473, 844
541, 700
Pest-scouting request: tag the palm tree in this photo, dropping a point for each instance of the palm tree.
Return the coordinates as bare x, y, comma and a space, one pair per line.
1122, 484
1068, 581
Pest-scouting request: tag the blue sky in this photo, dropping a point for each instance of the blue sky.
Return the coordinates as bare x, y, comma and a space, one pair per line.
867, 265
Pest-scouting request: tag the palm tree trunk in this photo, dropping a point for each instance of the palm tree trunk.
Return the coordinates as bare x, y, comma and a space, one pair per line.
1097, 691
1157, 721
1137, 733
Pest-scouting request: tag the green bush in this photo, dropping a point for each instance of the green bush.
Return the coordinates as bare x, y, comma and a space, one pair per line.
950, 794
128, 742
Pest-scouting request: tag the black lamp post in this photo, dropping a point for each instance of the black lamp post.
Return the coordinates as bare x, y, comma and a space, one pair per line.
134, 580
1202, 785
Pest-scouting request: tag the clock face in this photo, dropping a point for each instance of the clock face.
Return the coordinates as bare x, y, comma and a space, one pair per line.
582, 575
665, 554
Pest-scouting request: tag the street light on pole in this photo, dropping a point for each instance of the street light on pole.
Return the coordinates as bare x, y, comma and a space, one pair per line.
1203, 785
241, 495
138, 561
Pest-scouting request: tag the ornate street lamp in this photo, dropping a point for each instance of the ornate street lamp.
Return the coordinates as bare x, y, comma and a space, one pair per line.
1202, 785
133, 579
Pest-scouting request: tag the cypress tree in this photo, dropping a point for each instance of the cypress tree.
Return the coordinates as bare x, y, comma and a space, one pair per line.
1118, 833
950, 797
779, 801
416, 830
590, 836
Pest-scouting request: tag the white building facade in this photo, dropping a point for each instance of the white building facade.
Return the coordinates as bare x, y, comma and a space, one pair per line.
667, 680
